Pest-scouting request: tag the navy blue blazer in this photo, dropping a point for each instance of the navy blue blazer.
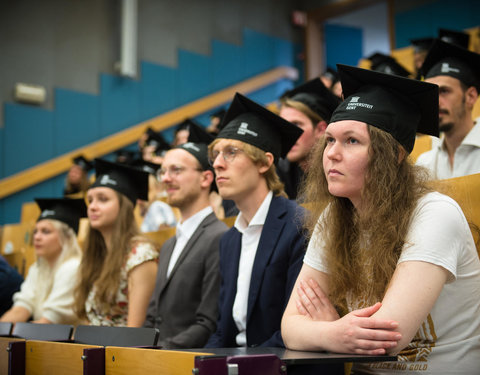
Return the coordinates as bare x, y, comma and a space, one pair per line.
277, 263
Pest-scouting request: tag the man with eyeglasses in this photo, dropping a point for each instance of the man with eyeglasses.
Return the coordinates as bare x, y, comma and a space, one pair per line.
183, 305
260, 257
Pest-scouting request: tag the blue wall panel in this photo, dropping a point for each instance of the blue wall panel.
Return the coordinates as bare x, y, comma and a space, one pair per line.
157, 89
425, 20
339, 36
12, 207
259, 56
76, 119
194, 77
119, 103
283, 52
28, 137
228, 64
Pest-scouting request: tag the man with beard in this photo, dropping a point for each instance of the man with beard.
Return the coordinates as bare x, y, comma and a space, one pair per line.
184, 303
455, 71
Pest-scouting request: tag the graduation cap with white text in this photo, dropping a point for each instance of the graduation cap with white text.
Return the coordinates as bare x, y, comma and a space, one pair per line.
400, 106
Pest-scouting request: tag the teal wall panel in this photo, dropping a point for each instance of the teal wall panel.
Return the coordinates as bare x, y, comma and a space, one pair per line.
259, 52
76, 119
194, 77
228, 64
157, 89
28, 137
119, 103
425, 20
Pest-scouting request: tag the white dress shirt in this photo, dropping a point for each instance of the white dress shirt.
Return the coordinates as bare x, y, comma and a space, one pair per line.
465, 161
251, 233
183, 233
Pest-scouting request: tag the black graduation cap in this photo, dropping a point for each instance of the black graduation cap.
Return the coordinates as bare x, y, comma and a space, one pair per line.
83, 163
197, 145
157, 140
400, 106
126, 157
146, 166
251, 123
458, 38
422, 44
315, 95
387, 64
445, 59
68, 211
131, 182
185, 125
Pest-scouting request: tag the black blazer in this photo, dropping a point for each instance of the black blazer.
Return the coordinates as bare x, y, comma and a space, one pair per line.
277, 263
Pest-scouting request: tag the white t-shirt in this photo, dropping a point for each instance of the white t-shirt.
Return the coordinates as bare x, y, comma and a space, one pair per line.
448, 341
56, 306
466, 159
158, 213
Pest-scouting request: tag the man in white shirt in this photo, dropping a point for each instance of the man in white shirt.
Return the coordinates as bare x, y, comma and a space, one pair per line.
455, 71
183, 306
261, 255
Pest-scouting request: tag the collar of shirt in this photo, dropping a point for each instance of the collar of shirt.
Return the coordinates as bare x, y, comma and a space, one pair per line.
259, 217
471, 139
186, 228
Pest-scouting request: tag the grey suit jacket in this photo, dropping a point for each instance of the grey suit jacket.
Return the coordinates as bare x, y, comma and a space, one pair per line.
184, 306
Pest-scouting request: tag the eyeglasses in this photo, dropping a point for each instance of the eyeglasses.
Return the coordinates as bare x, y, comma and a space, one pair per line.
228, 154
174, 171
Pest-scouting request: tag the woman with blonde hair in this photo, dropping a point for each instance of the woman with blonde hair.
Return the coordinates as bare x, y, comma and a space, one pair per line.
385, 236
119, 267
46, 296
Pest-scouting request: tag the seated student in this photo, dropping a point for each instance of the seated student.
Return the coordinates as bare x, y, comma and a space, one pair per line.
77, 182
156, 213
456, 71
46, 296
154, 147
184, 304
117, 273
10, 280
309, 106
385, 236
261, 255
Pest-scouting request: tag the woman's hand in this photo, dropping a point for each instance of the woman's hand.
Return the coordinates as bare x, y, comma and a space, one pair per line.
313, 302
360, 333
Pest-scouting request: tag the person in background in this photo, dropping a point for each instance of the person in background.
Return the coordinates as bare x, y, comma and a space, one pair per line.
10, 280
421, 46
154, 147
261, 255
117, 273
420, 262
456, 72
156, 213
46, 296
329, 77
183, 306
309, 106
215, 121
77, 182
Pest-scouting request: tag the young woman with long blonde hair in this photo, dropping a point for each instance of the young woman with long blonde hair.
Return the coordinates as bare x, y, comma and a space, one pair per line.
46, 296
119, 267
